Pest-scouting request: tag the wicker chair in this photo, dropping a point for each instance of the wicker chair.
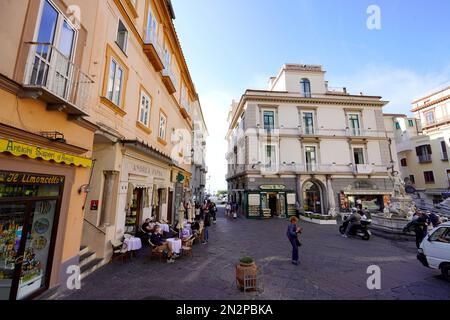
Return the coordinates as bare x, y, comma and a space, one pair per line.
120, 250
186, 248
155, 251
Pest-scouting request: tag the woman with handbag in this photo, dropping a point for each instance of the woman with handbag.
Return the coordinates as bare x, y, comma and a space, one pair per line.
292, 231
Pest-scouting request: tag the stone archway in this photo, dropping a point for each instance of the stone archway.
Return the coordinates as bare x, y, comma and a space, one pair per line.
314, 196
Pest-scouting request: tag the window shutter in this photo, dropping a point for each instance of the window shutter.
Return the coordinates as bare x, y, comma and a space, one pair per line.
418, 151
429, 149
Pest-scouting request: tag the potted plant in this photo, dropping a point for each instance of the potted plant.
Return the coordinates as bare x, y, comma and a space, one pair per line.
246, 267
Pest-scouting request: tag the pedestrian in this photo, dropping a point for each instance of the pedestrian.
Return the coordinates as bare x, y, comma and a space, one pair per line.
228, 209
434, 219
206, 225
292, 233
297, 209
213, 210
197, 211
420, 228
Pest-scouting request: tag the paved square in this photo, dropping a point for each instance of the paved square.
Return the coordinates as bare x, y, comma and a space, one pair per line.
331, 267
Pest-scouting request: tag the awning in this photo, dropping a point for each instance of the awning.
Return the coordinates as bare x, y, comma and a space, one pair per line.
21, 149
367, 192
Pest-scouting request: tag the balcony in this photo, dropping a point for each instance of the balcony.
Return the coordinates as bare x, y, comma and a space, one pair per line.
425, 158
404, 145
153, 51
436, 122
169, 79
53, 78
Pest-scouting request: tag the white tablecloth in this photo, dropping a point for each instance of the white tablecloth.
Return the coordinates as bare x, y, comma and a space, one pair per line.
164, 227
174, 245
133, 244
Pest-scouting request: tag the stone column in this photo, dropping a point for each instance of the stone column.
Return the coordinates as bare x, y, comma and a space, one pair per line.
109, 198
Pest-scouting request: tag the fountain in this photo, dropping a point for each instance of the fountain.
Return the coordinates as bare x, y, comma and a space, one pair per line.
399, 212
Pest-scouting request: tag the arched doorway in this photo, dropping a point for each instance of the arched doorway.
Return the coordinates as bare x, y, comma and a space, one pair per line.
312, 197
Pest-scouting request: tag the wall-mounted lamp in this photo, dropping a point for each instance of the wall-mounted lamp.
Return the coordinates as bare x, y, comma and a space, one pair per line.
85, 188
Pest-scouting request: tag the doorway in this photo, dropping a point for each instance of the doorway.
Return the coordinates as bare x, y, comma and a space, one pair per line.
28, 222
135, 212
312, 197
273, 204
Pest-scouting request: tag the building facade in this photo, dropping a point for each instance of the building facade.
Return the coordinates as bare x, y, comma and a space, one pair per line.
144, 107
423, 142
96, 135
199, 168
303, 141
45, 144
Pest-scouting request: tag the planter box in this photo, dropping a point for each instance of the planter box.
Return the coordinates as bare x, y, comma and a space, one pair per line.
318, 221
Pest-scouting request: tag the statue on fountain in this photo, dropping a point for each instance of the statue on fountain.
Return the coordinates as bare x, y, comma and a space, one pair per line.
402, 205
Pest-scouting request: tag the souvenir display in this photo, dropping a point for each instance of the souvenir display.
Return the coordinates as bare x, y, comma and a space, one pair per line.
39, 243
41, 226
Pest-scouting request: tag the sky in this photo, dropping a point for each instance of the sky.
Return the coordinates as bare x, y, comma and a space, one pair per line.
234, 45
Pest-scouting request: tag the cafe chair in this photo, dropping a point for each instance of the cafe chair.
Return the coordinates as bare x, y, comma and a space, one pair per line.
155, 251
186, 248
120, 250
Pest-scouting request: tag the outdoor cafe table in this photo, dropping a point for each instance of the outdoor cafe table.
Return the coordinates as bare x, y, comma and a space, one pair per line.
133, 244
174, 245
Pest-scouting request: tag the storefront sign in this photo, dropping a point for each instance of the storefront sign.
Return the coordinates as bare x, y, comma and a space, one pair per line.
272, 187
28, 178
21, 149
94, 205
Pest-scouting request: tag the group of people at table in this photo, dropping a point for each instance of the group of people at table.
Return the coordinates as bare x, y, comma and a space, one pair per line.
170, 241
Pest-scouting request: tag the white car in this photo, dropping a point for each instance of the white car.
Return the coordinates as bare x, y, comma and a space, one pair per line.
434, 251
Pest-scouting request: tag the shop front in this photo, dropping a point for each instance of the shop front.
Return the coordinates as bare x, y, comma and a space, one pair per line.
374, 201
147, 184
181, 192
270, 201
29, 210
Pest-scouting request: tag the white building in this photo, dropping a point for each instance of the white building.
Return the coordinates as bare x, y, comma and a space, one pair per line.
301, 140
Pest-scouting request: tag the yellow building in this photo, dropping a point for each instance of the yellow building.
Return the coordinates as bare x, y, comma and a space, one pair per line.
423, 143
144, 98
95, 133
45, 144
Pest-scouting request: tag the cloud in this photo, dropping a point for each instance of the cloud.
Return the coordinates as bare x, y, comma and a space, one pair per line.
396, 85
215, 106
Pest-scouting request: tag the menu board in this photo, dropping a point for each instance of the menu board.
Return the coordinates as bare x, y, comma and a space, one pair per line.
253, 200
291, 198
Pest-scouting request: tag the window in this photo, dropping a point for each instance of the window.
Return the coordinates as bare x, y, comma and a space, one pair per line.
429, 117
354, 124
122, 36
310, 157
162, 126
444, 154
441, 235
412, 179
308, 123
115, 80
403, 162
269, 120
397, 125
167, 57
358, 155
424, 153
429, 176
152, 28
305, 88
144, 109
411, 123
271, 159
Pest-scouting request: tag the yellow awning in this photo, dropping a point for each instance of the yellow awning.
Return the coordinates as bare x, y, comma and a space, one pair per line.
21, 149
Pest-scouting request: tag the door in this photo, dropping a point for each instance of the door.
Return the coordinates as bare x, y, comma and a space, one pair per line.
354, 125
310, 157
273, 204
308, 123
169, 208
52, 61
437, 247
26, 247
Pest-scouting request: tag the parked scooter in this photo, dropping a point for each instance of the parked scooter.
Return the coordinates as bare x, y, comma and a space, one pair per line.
361, 230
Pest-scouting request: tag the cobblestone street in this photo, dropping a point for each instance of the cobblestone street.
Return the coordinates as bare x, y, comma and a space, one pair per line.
331, 267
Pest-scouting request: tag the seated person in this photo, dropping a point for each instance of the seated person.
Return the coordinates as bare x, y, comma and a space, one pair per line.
185, 233
157, 239
148, 226
195, 227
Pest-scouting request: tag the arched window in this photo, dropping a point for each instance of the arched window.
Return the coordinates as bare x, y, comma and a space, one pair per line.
305, 87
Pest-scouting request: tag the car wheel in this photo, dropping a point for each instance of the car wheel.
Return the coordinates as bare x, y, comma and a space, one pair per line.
341, 229
445, 270
366, 237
